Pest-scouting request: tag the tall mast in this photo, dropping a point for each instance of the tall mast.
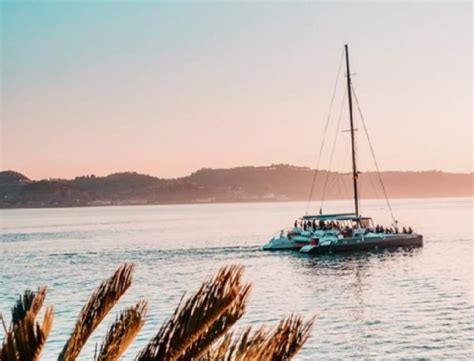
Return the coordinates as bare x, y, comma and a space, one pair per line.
354, 166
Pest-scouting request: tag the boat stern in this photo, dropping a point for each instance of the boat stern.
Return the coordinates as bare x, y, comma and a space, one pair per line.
286, 241
278, 243
419, 240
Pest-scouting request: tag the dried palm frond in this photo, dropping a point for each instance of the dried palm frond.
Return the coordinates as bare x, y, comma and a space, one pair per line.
264, 344
219, 350
122, 332
289, 337
99, 304
197, 330
25, 338
247, 344
30, 336
209, 309
29, 301
218, 328
7, 349
4, 325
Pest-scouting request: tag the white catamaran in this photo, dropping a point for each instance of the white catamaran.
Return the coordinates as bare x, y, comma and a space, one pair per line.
342, 232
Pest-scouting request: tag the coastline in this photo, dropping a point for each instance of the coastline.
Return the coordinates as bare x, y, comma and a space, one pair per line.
421, 198
276, 183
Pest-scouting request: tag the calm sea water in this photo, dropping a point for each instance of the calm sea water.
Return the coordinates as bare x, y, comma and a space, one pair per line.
402, 304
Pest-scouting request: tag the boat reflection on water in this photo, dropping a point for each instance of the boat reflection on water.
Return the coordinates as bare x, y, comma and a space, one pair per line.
351, 262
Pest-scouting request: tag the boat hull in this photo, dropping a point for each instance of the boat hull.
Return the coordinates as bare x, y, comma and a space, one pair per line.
358, 244
285, 245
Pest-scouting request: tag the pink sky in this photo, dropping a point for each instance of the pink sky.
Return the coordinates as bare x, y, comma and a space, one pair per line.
166, 89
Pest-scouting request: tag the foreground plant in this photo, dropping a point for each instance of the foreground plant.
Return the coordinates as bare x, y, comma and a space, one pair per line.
199, 329
25, 338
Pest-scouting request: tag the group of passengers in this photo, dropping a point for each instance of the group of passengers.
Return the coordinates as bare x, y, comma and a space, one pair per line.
382, 229
313, 225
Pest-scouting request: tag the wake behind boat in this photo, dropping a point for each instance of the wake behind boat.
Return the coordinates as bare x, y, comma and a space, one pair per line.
343, 232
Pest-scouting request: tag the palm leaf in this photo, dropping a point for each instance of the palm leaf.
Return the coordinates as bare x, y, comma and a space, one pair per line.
25, 338
122, 332
29, 301
264, 344
189, 326
218, 351
30, 336
199, 329
218, 328
98, 306
8, 349
289, 337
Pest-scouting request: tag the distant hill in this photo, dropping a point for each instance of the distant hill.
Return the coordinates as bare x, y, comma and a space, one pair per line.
11, 178
242, 184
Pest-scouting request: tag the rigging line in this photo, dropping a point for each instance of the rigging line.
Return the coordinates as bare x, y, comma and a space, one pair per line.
369, 176
325, 132
332, 152
347, 191
373, 155
338, 184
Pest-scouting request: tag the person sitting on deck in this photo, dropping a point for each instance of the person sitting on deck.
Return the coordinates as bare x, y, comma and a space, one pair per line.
345, 232
296, 224
410, 231
404, 230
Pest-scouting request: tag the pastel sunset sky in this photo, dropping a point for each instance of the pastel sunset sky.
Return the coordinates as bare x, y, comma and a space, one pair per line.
167, 88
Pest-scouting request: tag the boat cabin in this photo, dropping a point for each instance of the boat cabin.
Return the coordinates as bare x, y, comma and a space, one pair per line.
341, 221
